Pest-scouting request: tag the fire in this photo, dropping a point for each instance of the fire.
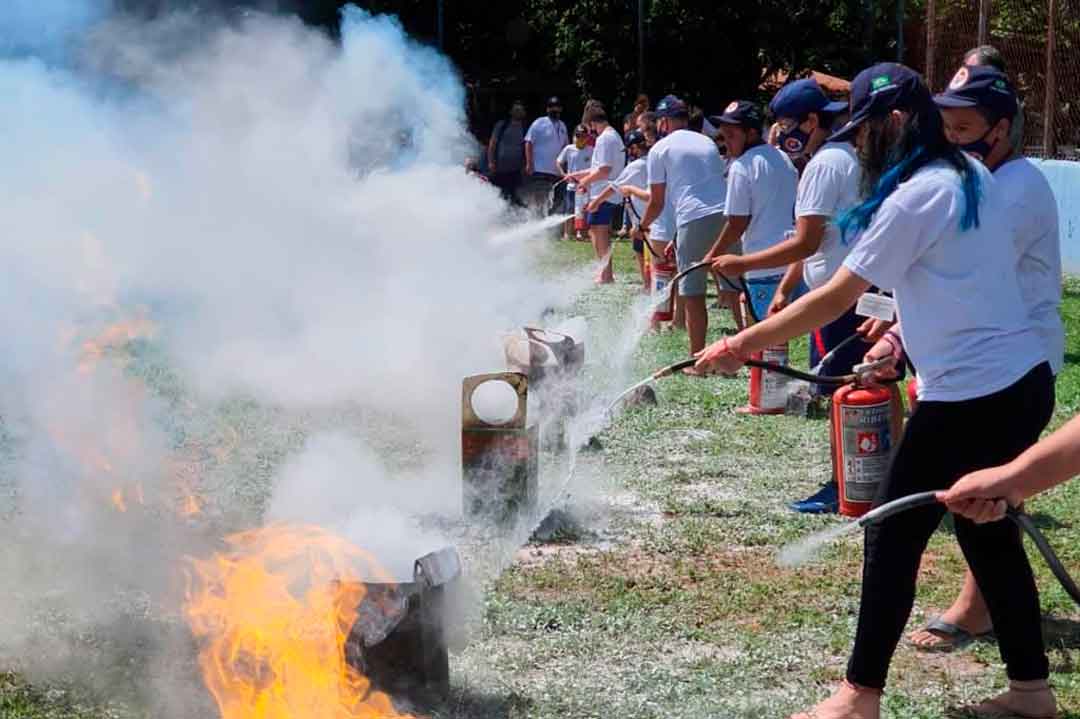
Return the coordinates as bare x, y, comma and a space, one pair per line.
190, 506
118, 500
113, 337
273, 614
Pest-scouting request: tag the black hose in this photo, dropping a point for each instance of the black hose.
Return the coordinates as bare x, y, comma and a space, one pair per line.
1020, 518
634, 212
1024, 521
831, 381
743, 289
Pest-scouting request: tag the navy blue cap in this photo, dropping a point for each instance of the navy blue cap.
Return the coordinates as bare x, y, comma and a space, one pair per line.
635, 137
980, 86
553, 101
878, 90
672, 106
798, 99
740, 112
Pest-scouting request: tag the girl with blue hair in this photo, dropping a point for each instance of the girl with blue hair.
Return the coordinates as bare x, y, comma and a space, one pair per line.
932, 230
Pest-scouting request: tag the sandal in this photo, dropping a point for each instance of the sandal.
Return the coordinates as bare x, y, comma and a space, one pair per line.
952, 638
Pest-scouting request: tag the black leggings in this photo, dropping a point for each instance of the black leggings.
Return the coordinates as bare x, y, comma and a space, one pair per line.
942, 442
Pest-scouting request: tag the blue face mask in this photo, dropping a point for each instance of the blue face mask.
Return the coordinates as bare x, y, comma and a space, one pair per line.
793, 141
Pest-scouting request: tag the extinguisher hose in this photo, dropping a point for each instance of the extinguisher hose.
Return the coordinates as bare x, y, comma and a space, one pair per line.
742, 287
1019, 517
634, 212
830, 381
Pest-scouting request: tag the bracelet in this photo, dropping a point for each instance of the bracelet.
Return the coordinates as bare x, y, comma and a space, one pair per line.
727, 348
895, 343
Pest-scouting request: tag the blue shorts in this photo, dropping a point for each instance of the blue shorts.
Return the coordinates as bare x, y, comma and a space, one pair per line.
602, 216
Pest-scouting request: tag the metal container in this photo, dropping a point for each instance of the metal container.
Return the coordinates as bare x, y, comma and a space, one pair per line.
404, 630
553, 362
499, 462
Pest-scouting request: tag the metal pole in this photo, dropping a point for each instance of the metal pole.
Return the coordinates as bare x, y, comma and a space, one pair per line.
641, 46
900, 31
439, 24
931, 41
984, 22
1050, 101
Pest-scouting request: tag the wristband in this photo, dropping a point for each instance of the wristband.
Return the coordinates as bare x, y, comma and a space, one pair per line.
897, 346
726, 346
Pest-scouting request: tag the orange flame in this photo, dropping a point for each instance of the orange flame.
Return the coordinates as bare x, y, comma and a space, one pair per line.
191, 506
113, 337
118, 500
273, 614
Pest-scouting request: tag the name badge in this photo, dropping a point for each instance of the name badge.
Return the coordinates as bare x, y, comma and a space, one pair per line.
880, 307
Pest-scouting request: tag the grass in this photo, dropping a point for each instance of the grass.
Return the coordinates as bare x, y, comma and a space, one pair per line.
664, 598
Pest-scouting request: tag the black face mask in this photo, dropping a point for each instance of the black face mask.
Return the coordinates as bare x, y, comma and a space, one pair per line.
554, 114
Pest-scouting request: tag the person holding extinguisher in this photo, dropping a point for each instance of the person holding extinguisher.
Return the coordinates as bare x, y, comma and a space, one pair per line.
933, 229
978, 109
830, 183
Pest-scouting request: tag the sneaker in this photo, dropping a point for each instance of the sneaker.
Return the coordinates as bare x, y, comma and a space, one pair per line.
825, 501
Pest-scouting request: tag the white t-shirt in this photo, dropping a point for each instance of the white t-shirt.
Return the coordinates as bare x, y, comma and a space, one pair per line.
761, 184
547, 137
690, 167
1031, 213
636, 175
965, 324
607, 152
829, 185
574, 160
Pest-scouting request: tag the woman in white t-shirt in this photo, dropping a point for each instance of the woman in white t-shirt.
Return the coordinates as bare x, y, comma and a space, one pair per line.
933, 230
978, 110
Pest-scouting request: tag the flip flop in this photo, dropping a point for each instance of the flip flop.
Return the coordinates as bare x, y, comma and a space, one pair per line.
952, 637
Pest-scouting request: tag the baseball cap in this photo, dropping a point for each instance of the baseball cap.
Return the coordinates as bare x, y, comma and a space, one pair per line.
739, 112
635, 137
672, 106
554, 101
879, 89
799, 98
980, 86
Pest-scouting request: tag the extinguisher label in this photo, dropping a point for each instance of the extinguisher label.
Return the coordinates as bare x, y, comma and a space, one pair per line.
774, 385
867, 449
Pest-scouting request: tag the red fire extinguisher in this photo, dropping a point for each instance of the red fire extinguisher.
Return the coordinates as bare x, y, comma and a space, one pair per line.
662, 272
912, 395
866, 423
768, 390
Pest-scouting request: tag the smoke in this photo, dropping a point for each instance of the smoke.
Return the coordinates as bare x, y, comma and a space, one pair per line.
224, 240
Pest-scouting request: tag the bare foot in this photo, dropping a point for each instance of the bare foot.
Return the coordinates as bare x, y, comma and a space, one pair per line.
1029, 700
847, 702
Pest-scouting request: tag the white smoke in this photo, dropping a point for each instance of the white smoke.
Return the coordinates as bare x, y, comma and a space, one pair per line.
292, 217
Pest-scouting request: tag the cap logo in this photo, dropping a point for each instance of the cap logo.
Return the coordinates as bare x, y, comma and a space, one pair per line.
879, 82
959, 79
732, 107
793, 145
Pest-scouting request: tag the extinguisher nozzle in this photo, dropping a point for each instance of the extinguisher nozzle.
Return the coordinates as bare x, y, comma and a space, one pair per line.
896, 506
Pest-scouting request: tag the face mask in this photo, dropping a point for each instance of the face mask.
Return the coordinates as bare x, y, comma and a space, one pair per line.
554, 114
793, 141
979, 149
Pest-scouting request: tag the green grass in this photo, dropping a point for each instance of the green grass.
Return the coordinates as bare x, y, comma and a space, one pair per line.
664, 599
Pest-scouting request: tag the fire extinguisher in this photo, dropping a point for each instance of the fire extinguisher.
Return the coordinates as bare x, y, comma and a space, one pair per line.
662, 274
768, 389
912, 395
865, 425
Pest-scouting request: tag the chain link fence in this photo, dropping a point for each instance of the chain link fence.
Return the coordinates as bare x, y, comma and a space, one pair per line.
1040, 40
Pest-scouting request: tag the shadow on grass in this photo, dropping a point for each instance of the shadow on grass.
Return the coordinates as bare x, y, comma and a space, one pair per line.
1061, 633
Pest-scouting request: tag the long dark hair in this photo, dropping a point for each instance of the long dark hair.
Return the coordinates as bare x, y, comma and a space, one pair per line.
922, 141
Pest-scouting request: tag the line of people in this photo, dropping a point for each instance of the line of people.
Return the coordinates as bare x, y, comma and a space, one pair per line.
962, 231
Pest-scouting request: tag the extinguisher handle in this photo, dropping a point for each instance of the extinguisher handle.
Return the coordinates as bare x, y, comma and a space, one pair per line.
864, 370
